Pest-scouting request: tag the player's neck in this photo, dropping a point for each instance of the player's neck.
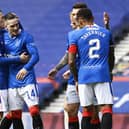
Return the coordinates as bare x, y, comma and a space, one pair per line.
89, 24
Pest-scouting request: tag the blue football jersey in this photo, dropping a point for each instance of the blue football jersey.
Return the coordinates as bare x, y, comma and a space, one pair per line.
93, 49
14, 46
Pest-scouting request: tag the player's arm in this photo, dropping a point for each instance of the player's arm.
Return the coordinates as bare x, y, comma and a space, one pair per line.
72, 61
33, 53
106, 20
111, 59
23, 58
63, 62
34, 58
9, 60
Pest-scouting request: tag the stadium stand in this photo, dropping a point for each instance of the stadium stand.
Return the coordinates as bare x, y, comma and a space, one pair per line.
48, 21
122, 49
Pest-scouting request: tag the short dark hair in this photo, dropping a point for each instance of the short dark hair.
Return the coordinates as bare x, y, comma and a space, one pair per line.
1, 11
85, 13
10, 15
79, 5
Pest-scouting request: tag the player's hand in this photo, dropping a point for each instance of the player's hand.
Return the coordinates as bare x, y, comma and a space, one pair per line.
66, 74
21, 74
106, 18
52, 73
24, 57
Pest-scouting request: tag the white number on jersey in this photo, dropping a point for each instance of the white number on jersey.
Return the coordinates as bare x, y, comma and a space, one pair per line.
96, 47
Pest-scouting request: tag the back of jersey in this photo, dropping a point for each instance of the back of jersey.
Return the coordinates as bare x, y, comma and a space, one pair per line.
93, 49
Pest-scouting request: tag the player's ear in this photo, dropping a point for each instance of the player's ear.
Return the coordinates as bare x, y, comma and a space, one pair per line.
81, 22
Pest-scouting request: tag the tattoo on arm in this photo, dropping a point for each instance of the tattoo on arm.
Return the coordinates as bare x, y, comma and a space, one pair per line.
63, 62
72, 65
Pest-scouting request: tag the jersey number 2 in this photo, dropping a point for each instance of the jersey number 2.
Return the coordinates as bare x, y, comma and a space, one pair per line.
94, 48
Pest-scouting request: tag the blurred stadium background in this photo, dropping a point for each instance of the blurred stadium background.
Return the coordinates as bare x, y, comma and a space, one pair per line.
48, 21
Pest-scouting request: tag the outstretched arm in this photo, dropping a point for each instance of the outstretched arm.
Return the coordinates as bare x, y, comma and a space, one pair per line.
23, 58
63, 62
